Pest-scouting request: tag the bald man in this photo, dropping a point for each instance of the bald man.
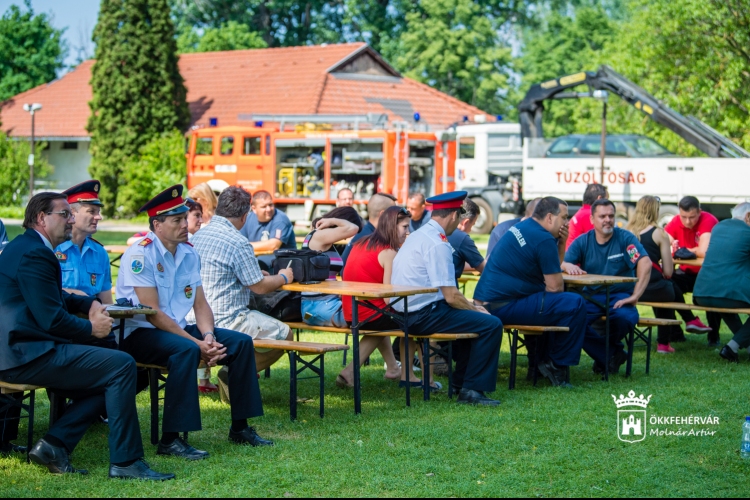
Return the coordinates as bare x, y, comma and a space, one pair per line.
379, 203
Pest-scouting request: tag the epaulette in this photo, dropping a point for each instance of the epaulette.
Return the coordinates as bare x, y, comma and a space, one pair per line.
444, 238
145, 242
98, 243
188, 243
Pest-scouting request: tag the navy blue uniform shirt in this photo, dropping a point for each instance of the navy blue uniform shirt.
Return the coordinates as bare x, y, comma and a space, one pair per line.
618, 257
3, 234
464, 250
279, 227
518, 264
499, 231
366, 231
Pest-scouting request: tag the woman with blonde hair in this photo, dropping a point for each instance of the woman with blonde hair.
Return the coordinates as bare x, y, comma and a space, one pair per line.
661, 288
203, 194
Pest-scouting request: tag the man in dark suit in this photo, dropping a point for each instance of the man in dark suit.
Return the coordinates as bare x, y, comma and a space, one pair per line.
38, 336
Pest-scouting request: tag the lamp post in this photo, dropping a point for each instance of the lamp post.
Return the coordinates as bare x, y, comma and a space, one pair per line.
32, 109
603, 96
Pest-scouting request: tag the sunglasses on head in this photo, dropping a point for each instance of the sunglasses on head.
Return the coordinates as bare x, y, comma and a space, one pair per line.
404, 212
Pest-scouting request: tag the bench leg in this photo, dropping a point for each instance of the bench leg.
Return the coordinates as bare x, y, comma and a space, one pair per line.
426, 369
30, 434
631, 348
346, 342
153, 389
267, 373
293, 385
450, 370
322, 376
513, 360
538, 347
648, 349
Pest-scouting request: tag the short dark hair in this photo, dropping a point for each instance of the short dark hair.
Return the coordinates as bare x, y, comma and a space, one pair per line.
345, 213
689, 203
548, 205
38, 204
234, 203
444, 213
160, 218
386, 235
420, 196
194, 206
262, 195
471, 210
593, 192
601, 203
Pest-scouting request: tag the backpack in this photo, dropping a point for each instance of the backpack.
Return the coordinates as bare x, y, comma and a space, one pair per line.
308, 266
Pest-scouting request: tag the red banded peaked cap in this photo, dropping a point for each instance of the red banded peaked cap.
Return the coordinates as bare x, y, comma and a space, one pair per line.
454, 199
85, 192
168, 202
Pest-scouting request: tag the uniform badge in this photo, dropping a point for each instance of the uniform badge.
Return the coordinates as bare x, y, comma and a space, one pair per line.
159, 267
96, 188
174, 193
136, 265
444, 238
93, 280
633, 254
145, 242
61, 256
189, 292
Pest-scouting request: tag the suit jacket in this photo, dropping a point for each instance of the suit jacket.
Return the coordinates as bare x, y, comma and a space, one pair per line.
35, 313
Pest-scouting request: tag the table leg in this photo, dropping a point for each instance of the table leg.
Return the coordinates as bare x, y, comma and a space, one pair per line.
407, 357
355, 357
606, 335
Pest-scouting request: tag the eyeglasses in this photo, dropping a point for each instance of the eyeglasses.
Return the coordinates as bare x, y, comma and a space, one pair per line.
64, 213
658, 200
405, 212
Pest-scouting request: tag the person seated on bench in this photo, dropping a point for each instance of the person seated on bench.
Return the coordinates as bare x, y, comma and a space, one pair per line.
40, 338
661, 288
338, 224
723, 280
163, 272
465, 251
371, 261
523, 285
504, 227
580, 223
379, 203
692, 230
268, 229
230, 274
610, 251
426, 260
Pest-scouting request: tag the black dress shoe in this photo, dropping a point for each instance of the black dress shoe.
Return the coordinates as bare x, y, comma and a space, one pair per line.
248, 436
181, 449
469, 397
57, 460
558, 376
617, 360
10, 448
728, 354
138, 470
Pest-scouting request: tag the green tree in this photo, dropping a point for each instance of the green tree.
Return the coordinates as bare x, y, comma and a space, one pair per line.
31, 50
14, 169
159, 164
138, 92
229, 36
454, 46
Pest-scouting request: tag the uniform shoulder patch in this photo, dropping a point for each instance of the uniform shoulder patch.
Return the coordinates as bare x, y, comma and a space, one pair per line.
188, 243
61, 256
444, 238
146, 242
136, 264
633, 253
98, 243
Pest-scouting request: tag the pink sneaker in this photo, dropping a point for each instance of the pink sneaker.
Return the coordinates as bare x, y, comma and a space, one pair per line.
696, 326
664, 349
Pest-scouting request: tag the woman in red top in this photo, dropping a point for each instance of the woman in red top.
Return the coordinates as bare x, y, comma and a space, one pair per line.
371, 261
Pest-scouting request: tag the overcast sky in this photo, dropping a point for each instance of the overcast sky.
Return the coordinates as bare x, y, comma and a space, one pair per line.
78, 16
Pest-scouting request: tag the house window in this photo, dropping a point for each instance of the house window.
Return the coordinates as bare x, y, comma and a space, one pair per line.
69, 145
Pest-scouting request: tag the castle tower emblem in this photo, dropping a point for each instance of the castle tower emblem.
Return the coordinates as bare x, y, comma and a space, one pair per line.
631, 424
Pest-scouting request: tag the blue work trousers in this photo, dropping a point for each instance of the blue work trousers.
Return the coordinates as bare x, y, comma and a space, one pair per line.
621, 322
551, 309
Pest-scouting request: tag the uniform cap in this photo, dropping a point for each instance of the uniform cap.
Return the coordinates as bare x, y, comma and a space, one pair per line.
168, 202
85, 192
454, 199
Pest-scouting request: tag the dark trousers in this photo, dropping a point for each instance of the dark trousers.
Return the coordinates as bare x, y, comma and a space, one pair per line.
686, 283
551, 309
741, 332
182, 357
96, 380
476, 359
666, 291
621, 322
11, 418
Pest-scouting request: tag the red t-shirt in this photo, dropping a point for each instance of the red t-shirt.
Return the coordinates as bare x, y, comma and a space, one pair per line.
363, 266
690, 238
579, 224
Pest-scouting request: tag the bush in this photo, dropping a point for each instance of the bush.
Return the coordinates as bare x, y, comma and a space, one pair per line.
159, 165
14, 170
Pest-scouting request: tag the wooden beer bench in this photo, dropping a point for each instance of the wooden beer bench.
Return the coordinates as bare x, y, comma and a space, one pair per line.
514, 336
25, 403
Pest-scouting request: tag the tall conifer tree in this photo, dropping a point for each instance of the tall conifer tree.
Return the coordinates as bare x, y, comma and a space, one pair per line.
138, 92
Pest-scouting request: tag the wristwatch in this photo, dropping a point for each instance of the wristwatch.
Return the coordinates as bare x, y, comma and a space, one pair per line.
211, 333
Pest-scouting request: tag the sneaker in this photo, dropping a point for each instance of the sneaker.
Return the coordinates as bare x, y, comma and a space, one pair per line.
697, 326
664, 349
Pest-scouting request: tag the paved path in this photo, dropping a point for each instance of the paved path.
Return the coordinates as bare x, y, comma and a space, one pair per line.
124, 227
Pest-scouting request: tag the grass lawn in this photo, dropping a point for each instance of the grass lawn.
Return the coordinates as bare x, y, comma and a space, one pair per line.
542, 441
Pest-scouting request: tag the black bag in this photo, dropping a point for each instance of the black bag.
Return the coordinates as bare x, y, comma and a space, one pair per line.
308, 266
282, 305
684, 254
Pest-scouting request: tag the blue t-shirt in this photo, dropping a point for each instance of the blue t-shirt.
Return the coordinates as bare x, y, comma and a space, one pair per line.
279, 227
499, 232
518, 264
618, 257
415, 225
464, 250
366, 231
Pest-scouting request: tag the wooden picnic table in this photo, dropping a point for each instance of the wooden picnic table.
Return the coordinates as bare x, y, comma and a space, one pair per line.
689, 262
584, 280
356, 292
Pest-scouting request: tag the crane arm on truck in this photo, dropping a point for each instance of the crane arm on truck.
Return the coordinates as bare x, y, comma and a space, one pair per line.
689, 128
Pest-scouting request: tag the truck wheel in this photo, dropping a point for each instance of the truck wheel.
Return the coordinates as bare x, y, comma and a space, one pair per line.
485, 221
666, 214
